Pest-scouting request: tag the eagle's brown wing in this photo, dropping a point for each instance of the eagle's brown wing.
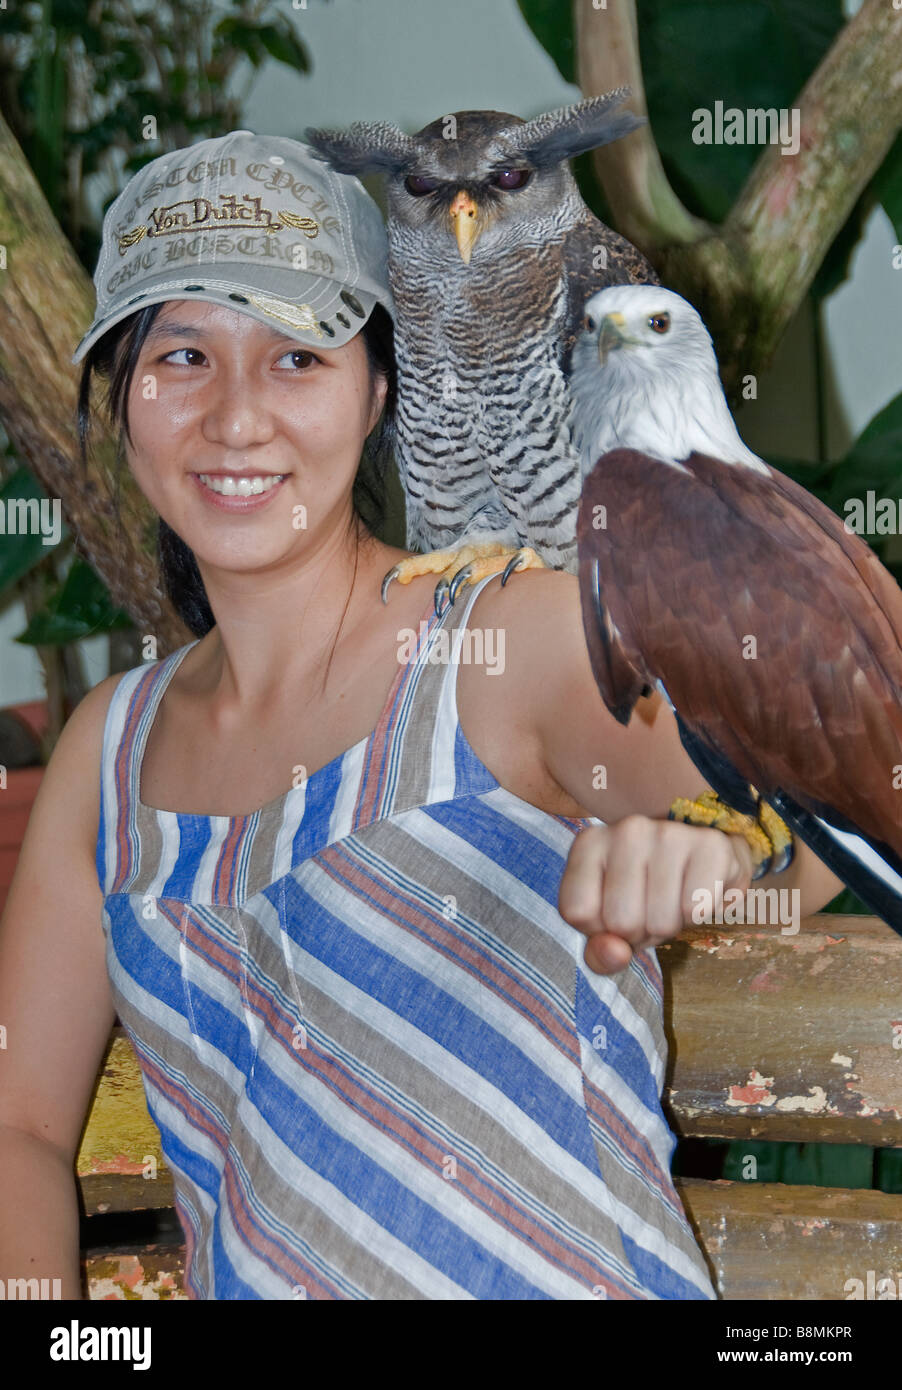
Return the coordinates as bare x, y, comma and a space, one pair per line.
776, 633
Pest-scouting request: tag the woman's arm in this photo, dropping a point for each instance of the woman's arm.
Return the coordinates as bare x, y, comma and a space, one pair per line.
630, 883
55, 1007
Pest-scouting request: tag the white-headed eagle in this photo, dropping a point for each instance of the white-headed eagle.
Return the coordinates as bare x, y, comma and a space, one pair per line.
772, 630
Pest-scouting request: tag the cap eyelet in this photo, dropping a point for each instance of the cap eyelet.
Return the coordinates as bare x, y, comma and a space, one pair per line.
341, 319
136, 298
353, 304
276, 159
188, 288
327, 328
239, 298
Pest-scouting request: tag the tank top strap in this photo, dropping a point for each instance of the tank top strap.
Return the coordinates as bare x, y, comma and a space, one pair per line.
418, 754
128, 721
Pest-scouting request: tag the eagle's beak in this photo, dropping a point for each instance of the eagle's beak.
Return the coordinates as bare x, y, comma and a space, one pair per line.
611, 335
465, 223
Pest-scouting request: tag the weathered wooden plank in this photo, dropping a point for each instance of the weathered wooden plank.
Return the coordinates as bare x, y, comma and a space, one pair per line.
786, 1037
774, 1241
762, 1240
154, 1271
120, 1164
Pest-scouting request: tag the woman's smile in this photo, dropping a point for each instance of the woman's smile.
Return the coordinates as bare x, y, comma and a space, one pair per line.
238, 492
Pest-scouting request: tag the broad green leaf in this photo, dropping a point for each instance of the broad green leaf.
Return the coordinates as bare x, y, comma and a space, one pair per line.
282, 43
82, 607
20, 553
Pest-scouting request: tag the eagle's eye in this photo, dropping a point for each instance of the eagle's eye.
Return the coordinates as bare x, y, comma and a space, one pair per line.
660, 323
418, 185
509, 179
589, 323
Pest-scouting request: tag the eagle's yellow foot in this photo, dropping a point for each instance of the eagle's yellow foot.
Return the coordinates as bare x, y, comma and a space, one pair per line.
768, 837
465, 565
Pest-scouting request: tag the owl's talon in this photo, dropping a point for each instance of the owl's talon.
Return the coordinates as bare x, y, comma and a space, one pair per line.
392, 574
512, 564
441, 593
460, 578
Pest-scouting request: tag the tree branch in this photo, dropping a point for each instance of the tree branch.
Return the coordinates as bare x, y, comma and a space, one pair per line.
749, 276
46, 302
644, 205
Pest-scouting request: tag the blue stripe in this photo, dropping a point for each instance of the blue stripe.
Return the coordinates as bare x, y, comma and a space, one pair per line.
511, 846
414, 1222
420, 1002
621, 1051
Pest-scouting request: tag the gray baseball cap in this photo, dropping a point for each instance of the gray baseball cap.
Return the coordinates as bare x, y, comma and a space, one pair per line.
255, 223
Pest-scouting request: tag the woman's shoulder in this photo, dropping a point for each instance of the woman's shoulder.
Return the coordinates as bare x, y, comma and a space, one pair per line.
533, 629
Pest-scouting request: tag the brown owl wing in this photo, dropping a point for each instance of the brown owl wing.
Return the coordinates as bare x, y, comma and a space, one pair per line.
594, 257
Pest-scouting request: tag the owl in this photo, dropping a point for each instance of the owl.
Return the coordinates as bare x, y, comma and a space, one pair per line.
492, 256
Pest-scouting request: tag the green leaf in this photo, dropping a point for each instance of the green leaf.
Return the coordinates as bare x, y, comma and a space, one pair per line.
21, 553
82, 607
552, 23
691, 58
282, 43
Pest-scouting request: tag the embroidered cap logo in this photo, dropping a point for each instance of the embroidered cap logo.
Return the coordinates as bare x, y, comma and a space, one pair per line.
190, 214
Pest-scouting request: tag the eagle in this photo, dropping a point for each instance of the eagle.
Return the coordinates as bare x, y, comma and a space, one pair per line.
773, 632
492, 254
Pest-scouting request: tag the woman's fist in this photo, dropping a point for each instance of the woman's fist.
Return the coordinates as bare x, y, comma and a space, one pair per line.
630, 885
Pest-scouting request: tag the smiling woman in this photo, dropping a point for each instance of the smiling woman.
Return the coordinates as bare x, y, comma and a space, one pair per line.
325, 871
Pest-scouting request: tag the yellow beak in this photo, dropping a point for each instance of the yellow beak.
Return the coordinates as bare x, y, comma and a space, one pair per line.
611, 336
465, 224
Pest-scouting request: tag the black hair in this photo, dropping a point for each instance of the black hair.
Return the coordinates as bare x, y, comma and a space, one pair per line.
114, 358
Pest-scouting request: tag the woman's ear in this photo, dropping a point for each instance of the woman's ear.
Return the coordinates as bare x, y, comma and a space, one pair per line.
380, 391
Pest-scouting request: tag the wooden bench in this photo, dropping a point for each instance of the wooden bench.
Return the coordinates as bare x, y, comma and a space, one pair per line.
771, 1036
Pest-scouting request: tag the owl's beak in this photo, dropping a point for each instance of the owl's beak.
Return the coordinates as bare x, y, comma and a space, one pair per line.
465, 224
611, 336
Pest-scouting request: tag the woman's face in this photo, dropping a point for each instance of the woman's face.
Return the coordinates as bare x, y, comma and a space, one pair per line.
217, 395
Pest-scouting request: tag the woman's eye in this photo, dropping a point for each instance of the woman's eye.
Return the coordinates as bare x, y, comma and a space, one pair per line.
297, 358
418, 185
194, 354
511, 178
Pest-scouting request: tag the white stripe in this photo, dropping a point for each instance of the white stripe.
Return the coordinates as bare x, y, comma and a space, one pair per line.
862, 851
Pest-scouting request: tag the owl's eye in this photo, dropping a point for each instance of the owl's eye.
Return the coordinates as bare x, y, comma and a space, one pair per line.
660, 323
511, 178
418, 185
589, 323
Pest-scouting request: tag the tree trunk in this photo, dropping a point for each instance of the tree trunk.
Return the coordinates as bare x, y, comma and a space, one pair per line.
46, 301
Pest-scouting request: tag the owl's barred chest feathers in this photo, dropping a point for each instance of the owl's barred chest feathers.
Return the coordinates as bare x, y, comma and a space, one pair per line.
484, 407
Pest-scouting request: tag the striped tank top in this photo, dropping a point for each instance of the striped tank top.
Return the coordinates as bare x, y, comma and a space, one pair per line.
378, 1063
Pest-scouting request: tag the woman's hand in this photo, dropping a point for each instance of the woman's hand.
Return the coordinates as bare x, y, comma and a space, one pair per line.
630, 885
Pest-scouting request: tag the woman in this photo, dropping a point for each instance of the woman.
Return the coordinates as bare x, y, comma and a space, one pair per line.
314, 862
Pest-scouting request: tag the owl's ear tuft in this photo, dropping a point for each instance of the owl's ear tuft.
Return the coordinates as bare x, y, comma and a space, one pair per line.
367, 147
558, 135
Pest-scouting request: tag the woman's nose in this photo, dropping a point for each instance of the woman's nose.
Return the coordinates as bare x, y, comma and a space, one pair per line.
236, 413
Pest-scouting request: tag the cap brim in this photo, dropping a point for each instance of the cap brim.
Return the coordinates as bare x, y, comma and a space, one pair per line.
310, 308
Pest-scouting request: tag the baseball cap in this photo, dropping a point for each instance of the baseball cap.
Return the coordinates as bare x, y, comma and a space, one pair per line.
256, 223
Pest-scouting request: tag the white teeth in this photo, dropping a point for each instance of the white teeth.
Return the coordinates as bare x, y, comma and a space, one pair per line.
241, 487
